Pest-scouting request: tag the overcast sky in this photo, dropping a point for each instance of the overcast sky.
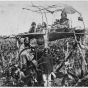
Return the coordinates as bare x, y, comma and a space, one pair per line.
13, 19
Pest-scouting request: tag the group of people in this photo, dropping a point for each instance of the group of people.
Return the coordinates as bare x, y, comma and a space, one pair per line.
25, 48
39, 29
27, 55
48, 66
58, 24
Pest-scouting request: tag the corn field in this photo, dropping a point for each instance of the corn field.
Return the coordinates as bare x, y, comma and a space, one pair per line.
68, 65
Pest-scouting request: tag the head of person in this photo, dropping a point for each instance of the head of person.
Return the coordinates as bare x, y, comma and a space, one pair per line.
39, 25
33, 42
21, 40
26, 40
33, 24
46, 51
44, 24
63, 14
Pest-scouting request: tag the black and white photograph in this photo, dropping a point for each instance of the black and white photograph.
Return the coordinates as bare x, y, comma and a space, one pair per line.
43, 43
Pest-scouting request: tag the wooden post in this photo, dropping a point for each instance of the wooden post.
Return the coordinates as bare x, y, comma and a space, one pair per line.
84, 64
46, 39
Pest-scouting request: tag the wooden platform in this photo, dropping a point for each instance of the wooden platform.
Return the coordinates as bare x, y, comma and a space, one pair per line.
65, 33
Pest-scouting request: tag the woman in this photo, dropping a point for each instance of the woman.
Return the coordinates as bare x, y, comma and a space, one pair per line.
26, 42
47, 67
44, 27
38, 29
63, 25
33, 27
64, 21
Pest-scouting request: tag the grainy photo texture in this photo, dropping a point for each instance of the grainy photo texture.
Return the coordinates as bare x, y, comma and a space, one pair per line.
43, 44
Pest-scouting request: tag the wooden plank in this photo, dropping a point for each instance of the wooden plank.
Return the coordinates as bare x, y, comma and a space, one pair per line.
59, 35
31, 35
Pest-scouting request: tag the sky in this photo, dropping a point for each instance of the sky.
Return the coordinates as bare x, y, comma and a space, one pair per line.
14, 20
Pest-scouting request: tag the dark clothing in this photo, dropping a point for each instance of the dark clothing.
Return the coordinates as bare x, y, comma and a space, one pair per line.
32, 30
63, 20
27, 45
47, 67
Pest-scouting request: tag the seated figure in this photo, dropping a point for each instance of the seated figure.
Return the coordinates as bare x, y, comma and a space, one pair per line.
63, 23
44, 27
33, 27
38, 29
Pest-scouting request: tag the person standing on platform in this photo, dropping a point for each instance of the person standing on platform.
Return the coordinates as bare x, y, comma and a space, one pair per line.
33, 28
